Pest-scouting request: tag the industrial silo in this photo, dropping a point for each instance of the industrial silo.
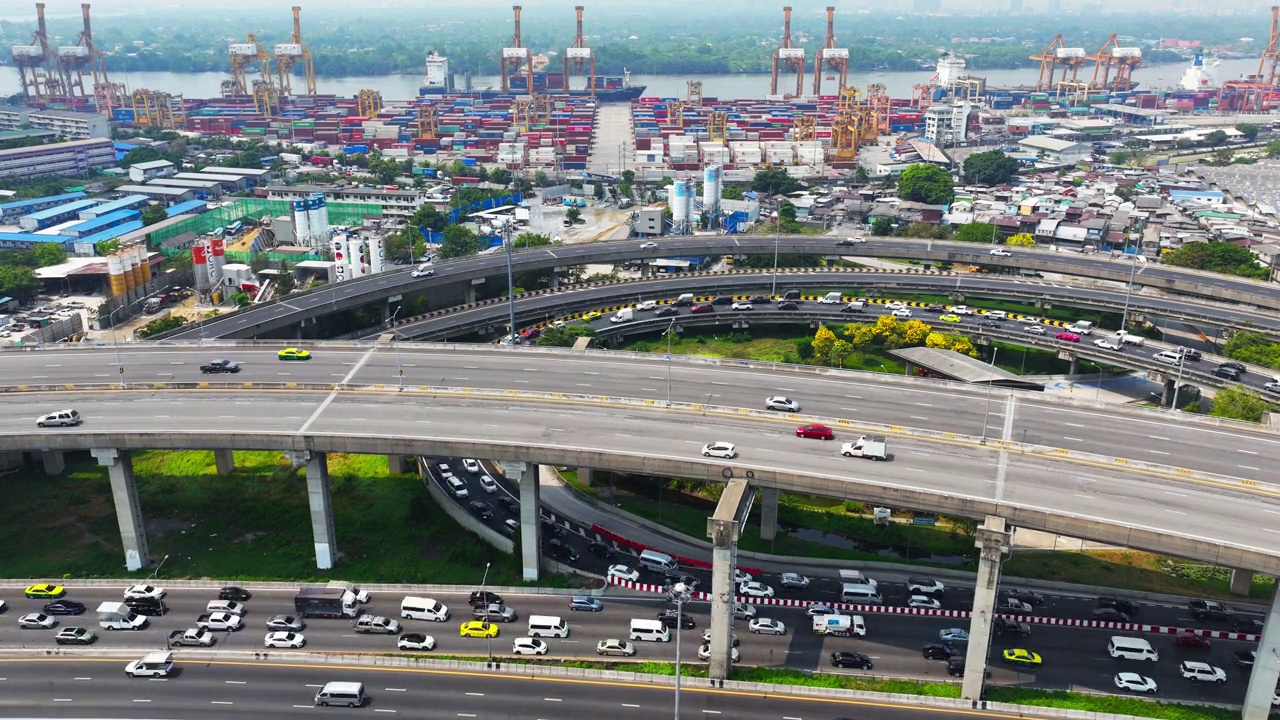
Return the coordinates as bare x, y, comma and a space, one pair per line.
200, 267
302, 224
141, 249
712, 183
341, 261
678, 199
359, 250
115, 275
130, 271
217, 257
377, 256
318, 212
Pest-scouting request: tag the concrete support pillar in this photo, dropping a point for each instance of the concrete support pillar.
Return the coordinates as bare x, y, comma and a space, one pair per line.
54, 462
724, 539
530, 520
1169, 386
124, 493
555, 279
993, 541
1241, 582
1075, 366
469, 295
646, 270
322, 532
768, 513
395, 464
585, 477
224, 461
1266, 669
386, 313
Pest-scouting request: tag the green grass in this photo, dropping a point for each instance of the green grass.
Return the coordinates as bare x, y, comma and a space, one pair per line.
770, 344
1108, 704
254, 524
1132, 570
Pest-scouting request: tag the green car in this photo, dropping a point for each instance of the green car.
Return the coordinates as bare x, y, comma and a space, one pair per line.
1019, 656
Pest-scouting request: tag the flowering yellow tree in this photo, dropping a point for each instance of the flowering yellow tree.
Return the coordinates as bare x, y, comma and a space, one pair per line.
914, 332
823, 341
860, 334
1021, 240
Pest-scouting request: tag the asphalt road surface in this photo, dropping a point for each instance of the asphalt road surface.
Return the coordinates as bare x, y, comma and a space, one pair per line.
859, 397
1073, 658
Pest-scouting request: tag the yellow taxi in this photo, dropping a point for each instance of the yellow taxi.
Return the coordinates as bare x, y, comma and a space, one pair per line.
1019, 656
478, 629
593, 315
44, 590
294, 354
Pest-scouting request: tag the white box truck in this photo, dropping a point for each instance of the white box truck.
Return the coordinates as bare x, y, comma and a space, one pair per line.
831, 298
1124, 337
1081, 327
624, 315
118, 616
839, 625
872, 447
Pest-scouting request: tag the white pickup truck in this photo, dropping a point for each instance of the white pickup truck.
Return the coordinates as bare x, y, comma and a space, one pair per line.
872, 447
220, 621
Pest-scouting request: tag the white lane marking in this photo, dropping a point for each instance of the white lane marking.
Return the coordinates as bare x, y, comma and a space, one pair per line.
476, 694
855, 397
1175, 512
304, 706
1072, 439
161, 416
471, 367
58, 365
529, 369
656, 377
588, 372
63, 700
332, 396
1073, 425
136, 700
221, 702
284, 373
1246, 452
236, 682
102, 375
1086, 497
312, 686
925, 404
849, 409
467, 378
82, 678
1170, 492
41, 377
649, 389
226, 417
383, 710
553, 699
713, 382
1249, 467
630, 705
1158, 437
466, 714
522, 381
786, 389
177, 363
623, 435
789, 717
918, 417
1158, 452
1201, 430
584, 384
711, 712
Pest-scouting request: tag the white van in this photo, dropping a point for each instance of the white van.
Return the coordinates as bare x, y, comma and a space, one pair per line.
350, 694
859, 594
1131, 648
650, 630
657, 561
420, 608
1167, 356
547, 626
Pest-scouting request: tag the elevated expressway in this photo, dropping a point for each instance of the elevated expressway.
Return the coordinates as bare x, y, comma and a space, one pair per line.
280, 315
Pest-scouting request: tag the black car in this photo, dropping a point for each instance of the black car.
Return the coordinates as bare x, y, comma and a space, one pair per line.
147, 606
760, 299
788, 305
481, 509
602, 550
1191, 354
1252, 626
665, 310
851, 308
1208, 609
1110, 615
1227, 372
553, 529
988, 324
1001, 626
485, 597
937, 652
64, 607
1238, 367
511, 504
722, 300
559, 551
231, 592
955, 667
1128, 607
1031, 597
851, 660
1246, 658
668, 618
791, 295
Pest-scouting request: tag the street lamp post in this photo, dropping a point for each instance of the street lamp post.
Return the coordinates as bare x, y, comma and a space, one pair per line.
1182, 362
987, 413
115, 340
396, 341
1133, 270
679, 593
156, 572
777, 222
670, 329
484, 598
511, 283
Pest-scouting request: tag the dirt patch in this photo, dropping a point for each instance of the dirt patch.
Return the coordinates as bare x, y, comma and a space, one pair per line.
160, 526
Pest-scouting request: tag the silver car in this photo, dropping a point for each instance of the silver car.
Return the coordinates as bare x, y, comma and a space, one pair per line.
793, 580
782, 403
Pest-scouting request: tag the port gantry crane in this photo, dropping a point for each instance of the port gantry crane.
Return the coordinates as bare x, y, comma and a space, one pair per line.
830, 57
1268, 72
1113, 56
1058, 57
75, 62
579, 55
32, 61
243, 56
289, 54
1255, 93
515, 57
786, 55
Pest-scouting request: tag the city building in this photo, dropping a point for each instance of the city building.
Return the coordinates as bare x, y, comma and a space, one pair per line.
253, 176
166, 195
143, 172
1064, 152
70, 125
947, 125
204, 189
394, 203
11, 211
72, 158
230, 183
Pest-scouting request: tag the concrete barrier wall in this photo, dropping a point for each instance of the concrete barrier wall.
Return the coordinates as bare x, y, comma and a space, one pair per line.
465, 518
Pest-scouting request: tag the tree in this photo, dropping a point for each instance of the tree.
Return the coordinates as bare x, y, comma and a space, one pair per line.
153, 214
926, 183
1253, 347
774, 181
573, 215
1121, 157
1272, 150
1021, 240
731, 192
1223, 157
500, 176
19, 283
143, 154
106, 247
458, 242
625, 190
628, 176
540, 179
975, 233
430, 218
1184, 143
1238, 403
46, 254
397, 244
1217, 137
284, 281
1216, 256
787, 211
823, 342
259, 262
241, 299
1126, 192
565, 335
860, 175
881, 226
990, 168
598, 192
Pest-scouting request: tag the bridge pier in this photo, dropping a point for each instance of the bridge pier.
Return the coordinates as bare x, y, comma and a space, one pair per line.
322, 531
225, 461
555, 279
1266, 668
993, 543
1170, 385
530, 520
724, 529
585, 477
395, 464
1075, 365
54, 462
1241, 581
768, 514
124, 493
469, 295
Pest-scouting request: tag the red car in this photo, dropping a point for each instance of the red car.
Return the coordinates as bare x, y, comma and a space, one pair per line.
1192, 640
698, 309
814, 432
1068, 336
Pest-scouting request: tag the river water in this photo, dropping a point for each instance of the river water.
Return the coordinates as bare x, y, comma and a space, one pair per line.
404, 87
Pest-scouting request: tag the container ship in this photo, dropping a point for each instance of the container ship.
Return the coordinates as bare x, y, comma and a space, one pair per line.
439, 81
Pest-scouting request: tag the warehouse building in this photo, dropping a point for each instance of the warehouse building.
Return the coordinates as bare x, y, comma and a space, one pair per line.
68, 124
73, 158
11, 211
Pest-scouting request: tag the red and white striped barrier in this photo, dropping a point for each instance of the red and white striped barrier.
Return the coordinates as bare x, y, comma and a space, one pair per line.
641, 547
963, 614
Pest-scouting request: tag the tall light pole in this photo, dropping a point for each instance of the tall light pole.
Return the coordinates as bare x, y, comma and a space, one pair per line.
1182, 362
679, 593
987, 413
670, 329
1133, 270
511, 283
777, 222
396, 341
156, 572
484, 598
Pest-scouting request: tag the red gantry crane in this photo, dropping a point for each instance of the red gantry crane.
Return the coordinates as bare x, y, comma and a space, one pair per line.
786, 55
579, 55
32, 61
515, 56
1058, 56
830, 57
1267, 67
289, 54
1114, 57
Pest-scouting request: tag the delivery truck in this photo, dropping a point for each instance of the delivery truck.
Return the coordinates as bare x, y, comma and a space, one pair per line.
118, 616
325, 603
872, 447
839, 625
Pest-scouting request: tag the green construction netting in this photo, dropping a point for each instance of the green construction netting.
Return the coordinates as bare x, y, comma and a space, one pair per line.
256, 209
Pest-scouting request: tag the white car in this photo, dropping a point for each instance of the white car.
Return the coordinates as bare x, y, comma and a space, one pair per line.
528, 646
1135, 682
1029, 319
430, 609
456, 486
744, 611
960, 309
1035, 329
767, 626
134, 592
37, 621
704, 653
423, 271
1202, 672
896, 305
724, 450
511, 526
1001, 252
416, 641
488, 484
622, 572
777, 402
231, 606
755, 590
471, 465
649, 245
741, 306
901, 313
285, 622
1108, 344
284, 640
706, 638
954, 635
924, 601
928, 586
615, 647
819, 609
741, 576
793, 580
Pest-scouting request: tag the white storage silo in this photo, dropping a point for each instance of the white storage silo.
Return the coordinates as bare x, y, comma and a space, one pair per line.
302, 223
377, 256
341, 258
115, 275
691, 208
217, 259
712, 181
319, 216
359, 258
680, 199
